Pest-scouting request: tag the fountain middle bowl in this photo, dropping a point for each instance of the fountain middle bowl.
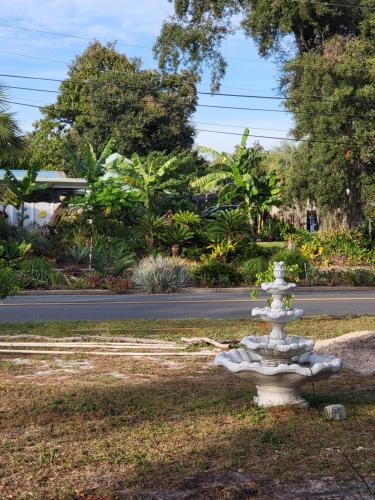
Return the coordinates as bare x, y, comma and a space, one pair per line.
277, 315
282, 351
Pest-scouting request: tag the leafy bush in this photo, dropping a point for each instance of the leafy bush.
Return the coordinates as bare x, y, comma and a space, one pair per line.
275, 229
229, 225
252, 268
177, 234
112, 260
79, 253
292, 258
222, 249
37, 272
161, 275
186, 218
216, 273
13, 250
8, 281
349, 277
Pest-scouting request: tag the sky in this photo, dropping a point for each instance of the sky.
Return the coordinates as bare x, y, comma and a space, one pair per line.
135, 26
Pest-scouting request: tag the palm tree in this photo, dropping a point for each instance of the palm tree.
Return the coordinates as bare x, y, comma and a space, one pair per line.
238, 178
11, 141
144, 175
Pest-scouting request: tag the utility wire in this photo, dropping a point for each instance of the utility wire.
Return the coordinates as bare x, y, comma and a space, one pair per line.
219, 131
199, 92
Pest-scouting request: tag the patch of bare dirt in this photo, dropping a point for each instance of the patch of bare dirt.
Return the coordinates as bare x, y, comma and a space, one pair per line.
356, 349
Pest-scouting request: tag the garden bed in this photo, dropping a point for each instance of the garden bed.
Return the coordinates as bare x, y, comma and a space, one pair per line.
91, 427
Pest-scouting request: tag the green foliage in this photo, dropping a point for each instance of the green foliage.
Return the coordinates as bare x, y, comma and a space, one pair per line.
13, 250
186, 218
215, 273
151, 228
79, 253
110, 197
112, 260
144, 176
274, 229
88, 165
37, 272
222, 249
176, 234
229, 224
8, 281
239, 178
108, 95
292, 258
11, 142
161, 275
251, 268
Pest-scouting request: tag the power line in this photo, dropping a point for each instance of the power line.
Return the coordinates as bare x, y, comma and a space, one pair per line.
18, 54
200, 92
221, 131
239, 126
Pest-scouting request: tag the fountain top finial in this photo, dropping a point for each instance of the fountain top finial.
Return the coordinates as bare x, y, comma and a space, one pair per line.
279, 270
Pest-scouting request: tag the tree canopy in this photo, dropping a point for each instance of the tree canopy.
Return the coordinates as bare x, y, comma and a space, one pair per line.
108, 95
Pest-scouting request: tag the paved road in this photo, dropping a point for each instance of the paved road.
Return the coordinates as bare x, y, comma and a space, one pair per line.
205, 305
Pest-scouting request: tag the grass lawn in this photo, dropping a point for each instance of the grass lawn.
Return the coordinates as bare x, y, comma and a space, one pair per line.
88, 427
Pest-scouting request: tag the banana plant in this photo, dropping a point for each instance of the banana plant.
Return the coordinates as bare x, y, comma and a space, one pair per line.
88, 165
19, 191
238, 178
144, 175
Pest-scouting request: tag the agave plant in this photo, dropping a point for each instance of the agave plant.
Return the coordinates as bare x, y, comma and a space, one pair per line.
14, 250
161, 275
175, 235
79, 253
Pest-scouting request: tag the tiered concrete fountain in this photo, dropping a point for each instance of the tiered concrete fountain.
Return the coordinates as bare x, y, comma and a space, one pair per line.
277, 364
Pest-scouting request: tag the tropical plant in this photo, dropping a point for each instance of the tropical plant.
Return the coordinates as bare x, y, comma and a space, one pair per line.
21, 190
109, 197
239, 178
87, 164
252, 267
222, 249
112, 260
144, 175
186, 218
37, 272
8, 282
11, 142
151, 228
161, 275
229, 224
176, 235
79, 253
13, 250
215, 273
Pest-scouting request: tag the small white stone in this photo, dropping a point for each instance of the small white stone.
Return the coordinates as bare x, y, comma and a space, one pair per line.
335, 412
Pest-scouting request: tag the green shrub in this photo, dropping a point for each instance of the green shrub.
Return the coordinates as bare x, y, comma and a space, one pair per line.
216, 273
350, 277
8, 281
161, 275
251, 268
13, 250
37, 272
292, 258
275, 230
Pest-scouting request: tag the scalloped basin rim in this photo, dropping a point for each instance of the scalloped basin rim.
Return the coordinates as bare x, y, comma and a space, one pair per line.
295, 343
240, 360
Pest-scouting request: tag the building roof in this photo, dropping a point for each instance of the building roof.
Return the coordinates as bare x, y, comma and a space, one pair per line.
55, 178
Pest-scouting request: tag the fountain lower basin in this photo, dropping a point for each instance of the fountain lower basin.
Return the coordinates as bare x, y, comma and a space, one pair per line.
278, 385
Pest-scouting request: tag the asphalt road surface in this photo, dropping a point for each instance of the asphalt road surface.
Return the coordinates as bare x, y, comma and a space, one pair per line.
187, 305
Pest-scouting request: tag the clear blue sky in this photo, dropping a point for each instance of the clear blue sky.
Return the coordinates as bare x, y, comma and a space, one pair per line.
130, 23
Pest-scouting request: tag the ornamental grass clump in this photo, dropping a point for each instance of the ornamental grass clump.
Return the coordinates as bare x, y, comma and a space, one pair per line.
161, 275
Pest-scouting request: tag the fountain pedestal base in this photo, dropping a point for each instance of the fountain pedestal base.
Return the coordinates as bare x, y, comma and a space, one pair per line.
269, 395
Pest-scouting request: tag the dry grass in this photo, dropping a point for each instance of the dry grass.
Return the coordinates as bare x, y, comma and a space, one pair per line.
94, 428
